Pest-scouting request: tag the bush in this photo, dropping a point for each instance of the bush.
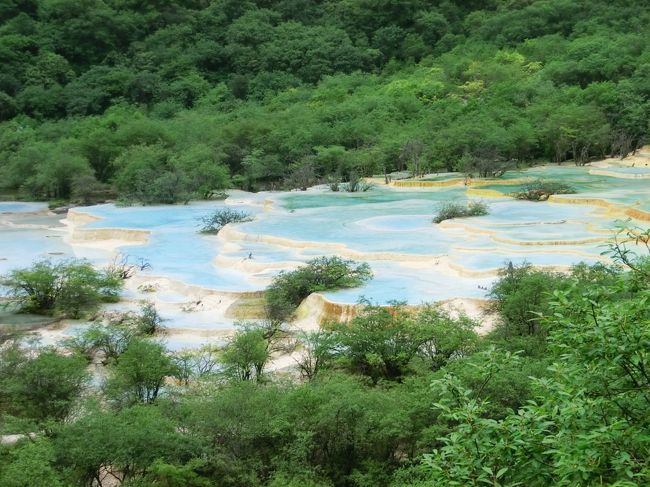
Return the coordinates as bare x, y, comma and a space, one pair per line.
520, 295
384, 342
213, 223
69, 287
355, 184
112, 337
140, 373
449, 210
540, 190
288, 289
42, 385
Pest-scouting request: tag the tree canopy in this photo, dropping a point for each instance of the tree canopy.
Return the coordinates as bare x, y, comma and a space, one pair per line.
159, 102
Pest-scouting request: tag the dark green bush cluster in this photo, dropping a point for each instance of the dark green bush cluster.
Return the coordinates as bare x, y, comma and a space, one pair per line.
214, 222
288, 289
450, 209
541, 189
70, 287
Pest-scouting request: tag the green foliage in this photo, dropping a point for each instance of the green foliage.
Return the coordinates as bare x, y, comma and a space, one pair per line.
382, 342
541, 189
139, 374
32, 464
131, 443
69, 287
588, 424
317, 351
161, 102
112, 337
449, 210
214, 222
255, 90
288, 289
196, 364
396, 397
334, 431
42, 386
246, 354
520, 296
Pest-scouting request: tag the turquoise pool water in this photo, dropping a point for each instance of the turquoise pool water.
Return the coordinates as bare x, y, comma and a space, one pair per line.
391, 229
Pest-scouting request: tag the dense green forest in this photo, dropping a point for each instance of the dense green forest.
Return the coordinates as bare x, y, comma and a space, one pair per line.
159, 101
556, 395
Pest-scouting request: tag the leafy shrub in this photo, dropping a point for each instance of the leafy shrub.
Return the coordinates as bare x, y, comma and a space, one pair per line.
334, 184
213, 223
140, 373
113, 336
541, 189
69, 287
450, 209
520, 294
355, 184
383, 342
148, 321
288, 289
39, 384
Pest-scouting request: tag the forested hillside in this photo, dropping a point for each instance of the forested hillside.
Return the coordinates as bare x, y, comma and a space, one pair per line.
159, 101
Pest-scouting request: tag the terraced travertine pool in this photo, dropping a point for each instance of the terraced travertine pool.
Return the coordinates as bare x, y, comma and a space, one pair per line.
195, 278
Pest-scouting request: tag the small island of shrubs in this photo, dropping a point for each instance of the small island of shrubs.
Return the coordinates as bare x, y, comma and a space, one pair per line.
68, 288
214, 223
449, 210
541, 190
288, 289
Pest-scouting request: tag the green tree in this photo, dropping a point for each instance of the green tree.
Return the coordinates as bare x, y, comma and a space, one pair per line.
383, 341
126, 446
32, 464
246, 355
69, 287
42, 387
140, 373
520, 296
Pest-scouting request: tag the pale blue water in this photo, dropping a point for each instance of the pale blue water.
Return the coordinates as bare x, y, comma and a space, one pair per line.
629, 170
371, 224
20, 207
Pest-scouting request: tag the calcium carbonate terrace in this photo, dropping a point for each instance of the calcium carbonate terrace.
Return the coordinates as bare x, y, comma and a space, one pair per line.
413, 260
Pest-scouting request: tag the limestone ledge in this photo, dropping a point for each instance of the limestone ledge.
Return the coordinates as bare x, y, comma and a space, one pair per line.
612, 208
613, 174
524, 243
316, 311
476, 183
434, 263
252, 265
229, 233
640, 158
120, 235
76, 220
427, 184
241, 305
79, 218
524, 252
485, 193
